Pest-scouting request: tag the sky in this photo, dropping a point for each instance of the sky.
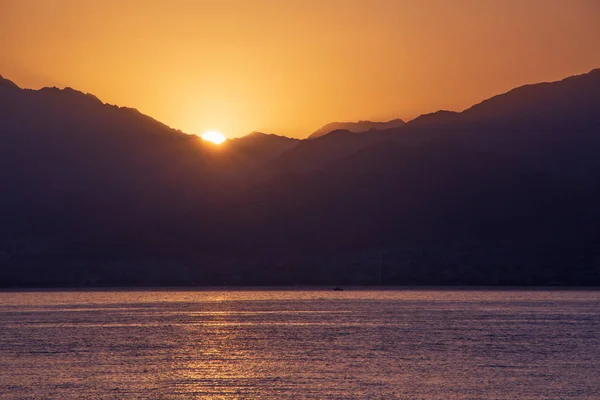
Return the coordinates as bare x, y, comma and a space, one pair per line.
291, 66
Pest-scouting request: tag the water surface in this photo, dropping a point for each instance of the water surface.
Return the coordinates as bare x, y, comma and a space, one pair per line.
300, 344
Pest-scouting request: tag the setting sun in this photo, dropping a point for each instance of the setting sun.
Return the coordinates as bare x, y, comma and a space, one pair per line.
215, 137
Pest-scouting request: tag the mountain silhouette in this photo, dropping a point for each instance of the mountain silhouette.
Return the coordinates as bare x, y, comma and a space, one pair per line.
436, 118
552, 126
73, 166
315, 154
6, 84
502, 193
262, 146
360, 126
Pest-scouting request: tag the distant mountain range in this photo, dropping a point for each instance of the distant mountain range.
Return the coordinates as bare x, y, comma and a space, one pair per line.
503, 193
263, 146
356, 127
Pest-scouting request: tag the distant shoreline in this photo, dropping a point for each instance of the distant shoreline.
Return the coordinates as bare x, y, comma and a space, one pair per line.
291, 288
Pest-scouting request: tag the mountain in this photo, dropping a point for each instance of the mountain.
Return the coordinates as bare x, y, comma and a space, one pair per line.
360, 126
550, 126
320, 151
262, 146
570, 98
436, 118
477, 197
503, 193
486, 196
79, 176
314, 154
6, 84
59, 144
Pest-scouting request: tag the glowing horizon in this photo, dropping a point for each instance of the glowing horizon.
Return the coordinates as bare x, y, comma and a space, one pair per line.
291, 67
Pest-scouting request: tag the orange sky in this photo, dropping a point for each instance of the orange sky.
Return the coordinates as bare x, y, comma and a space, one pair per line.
290, 66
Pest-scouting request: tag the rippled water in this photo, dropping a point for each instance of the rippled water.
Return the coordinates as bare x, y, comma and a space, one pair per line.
300, 344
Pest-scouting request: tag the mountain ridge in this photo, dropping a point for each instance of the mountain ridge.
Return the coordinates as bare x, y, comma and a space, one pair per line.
351, 126
263, 146
6, 83
506, 194
356, 127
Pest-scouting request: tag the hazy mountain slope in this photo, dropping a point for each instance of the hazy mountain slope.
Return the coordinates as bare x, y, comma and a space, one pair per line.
360, 126
553, 126
315, 154
437, 118
574, 97
550, 126
261, 146
546, 125
5, 83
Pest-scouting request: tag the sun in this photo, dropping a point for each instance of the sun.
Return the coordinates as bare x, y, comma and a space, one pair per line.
215, 137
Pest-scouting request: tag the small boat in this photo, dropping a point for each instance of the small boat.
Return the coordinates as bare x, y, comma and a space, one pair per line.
337, 288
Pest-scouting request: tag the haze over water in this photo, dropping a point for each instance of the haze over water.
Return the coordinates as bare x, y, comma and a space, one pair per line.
300, 344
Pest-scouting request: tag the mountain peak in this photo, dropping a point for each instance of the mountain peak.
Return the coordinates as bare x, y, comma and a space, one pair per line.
5, 83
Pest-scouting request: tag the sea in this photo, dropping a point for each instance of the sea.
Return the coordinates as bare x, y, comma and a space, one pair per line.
356, 343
